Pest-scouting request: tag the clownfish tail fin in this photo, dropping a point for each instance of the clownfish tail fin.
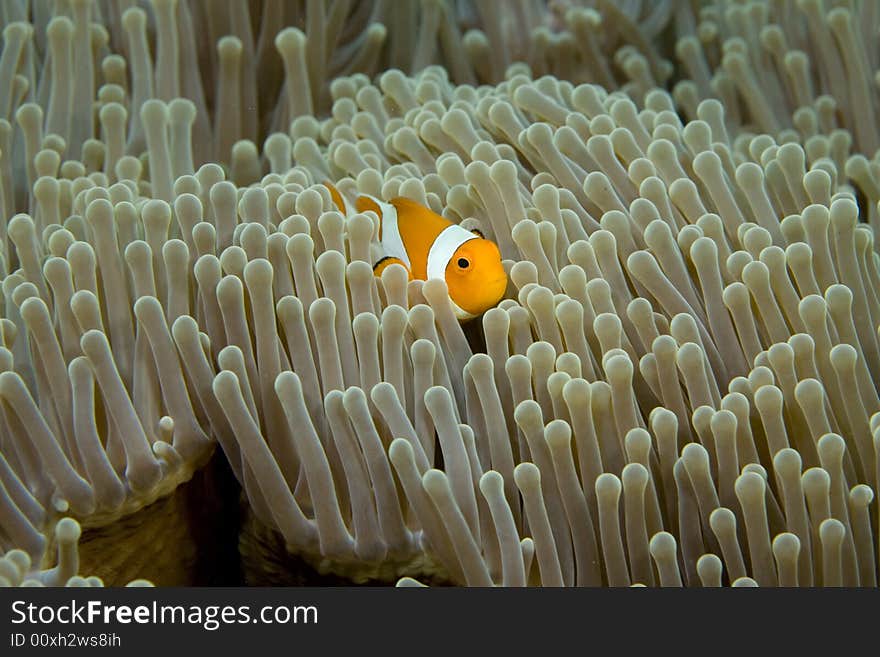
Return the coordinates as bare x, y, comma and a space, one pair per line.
349, 206
337, 198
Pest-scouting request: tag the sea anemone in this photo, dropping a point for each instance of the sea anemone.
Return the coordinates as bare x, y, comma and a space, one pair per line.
662, 353
801, 73
17, 569
678, 389
89, 392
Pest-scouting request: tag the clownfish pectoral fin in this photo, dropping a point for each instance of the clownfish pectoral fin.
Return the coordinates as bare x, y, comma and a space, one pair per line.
386, 262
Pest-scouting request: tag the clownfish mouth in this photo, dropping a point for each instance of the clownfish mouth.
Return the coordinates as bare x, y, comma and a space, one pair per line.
496, 288
500, 280
486, 296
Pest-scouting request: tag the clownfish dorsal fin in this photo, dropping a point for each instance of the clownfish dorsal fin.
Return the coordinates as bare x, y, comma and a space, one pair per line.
368, 204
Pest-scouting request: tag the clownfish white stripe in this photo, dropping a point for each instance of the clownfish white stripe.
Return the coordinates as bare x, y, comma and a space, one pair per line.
349, 208
444, 247
392, 243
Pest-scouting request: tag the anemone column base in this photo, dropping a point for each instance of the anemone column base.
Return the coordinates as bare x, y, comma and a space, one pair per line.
117, 552
267, 561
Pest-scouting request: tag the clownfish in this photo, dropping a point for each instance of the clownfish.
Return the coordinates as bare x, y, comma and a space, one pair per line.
429, 246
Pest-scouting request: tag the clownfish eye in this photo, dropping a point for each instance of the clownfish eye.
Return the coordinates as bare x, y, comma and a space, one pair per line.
464, 263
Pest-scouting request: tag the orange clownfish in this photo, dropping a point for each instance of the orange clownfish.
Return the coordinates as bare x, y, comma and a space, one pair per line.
429, 246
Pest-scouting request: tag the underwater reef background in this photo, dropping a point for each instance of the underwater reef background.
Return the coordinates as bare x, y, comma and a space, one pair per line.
203, 382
